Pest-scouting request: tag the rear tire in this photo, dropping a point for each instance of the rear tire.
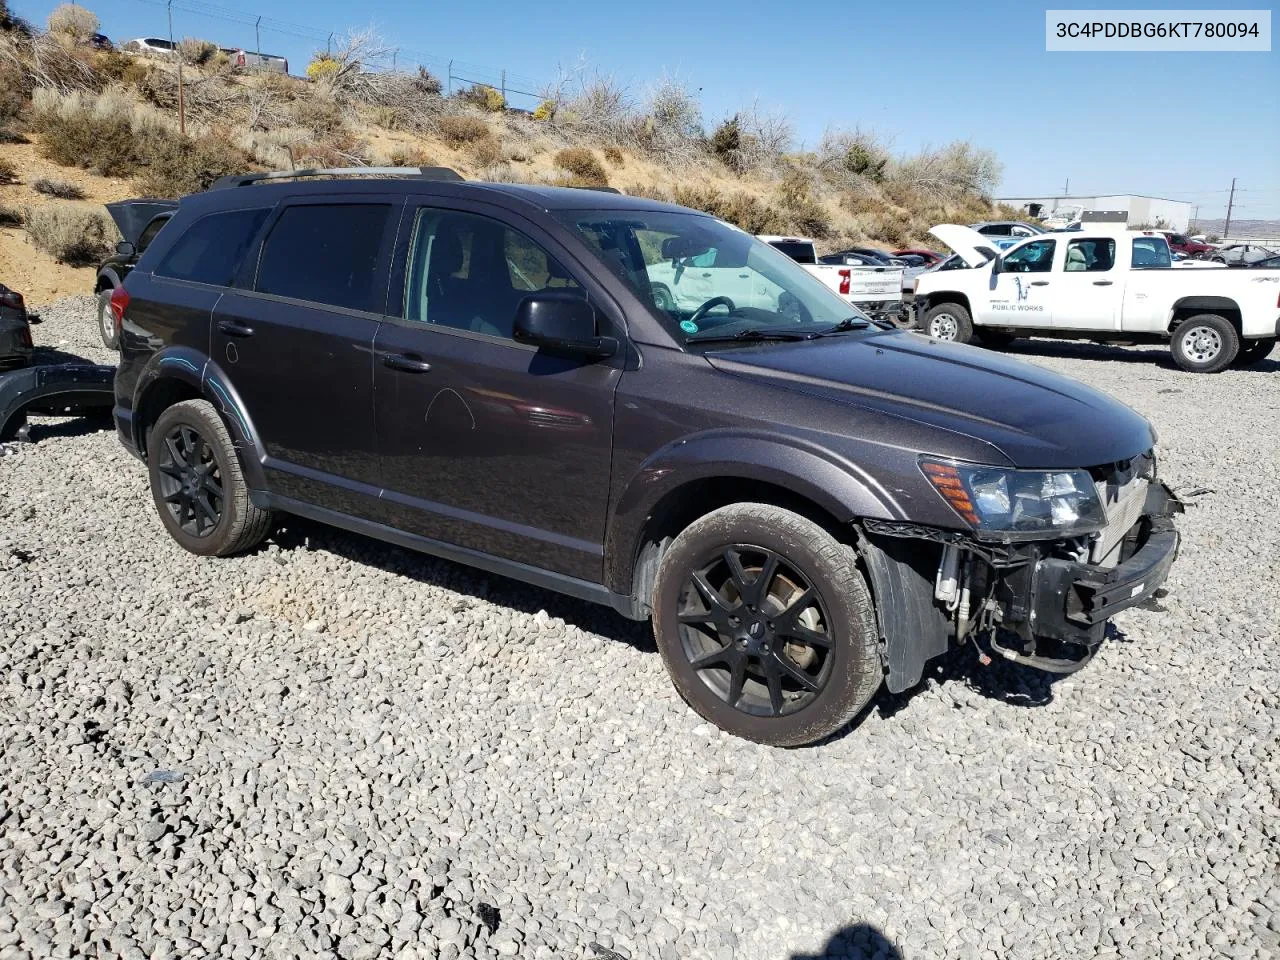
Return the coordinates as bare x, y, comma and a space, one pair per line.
948, 322
1205, 343
197, 484
106, 320
785, 662
1254, 351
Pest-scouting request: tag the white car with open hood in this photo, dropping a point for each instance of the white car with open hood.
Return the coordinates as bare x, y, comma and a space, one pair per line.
1102, 284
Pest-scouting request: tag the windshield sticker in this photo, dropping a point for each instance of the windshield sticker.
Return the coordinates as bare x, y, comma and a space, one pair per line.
688, 326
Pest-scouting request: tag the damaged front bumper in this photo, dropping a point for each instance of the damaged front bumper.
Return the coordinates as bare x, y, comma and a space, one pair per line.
1059, 607
1040, 603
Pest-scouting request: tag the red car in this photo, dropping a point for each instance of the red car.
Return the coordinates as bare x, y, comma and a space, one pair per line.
931, 257
1186, 246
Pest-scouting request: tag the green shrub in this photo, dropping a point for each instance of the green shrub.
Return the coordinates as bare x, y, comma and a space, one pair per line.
743, 210
459, 131
483, 96
725, 143
62, 189
73, 233
583, 165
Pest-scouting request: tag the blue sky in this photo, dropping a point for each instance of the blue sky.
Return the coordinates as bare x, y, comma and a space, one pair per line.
1178, 125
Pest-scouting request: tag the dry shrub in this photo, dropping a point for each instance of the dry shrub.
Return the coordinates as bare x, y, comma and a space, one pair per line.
459, 131
725, 143
13, 94
742, 209
62, 189
388, 118
582, 164
176, 165
802, 212
8, 173
74, 21
343, 149
485, 152
197, 52
117, 67
850, 156
410, 157
614, 155
958, 168
12, 136
316, 114
11, 216
73, 233
74, 134
44, 60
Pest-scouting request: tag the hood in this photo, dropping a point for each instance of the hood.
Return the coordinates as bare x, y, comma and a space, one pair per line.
1036, 419
131, 216
973, 248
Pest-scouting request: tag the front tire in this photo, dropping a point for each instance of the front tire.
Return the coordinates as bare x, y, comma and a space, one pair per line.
106, 320
949, 322
1205, 343
766, 626
197, 484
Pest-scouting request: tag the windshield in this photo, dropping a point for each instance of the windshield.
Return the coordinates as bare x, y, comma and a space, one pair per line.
708, 279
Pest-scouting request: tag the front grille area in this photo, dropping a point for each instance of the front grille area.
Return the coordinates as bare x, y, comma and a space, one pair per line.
1122, 488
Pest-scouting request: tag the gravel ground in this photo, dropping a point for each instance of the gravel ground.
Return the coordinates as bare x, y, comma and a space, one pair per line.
336, 747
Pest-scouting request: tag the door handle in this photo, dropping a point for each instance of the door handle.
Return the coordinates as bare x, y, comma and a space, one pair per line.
1039, 283
234, 328
1102, 283
405, 364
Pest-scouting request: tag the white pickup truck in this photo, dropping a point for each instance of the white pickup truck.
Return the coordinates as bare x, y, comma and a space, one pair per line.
1106, 285
876, 290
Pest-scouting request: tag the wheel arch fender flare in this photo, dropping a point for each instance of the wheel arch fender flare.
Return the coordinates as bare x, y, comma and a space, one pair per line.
839, 487
107, 279
1225, 307
931, 300
206, 380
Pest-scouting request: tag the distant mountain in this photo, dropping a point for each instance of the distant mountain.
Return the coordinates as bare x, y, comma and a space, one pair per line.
1241, 229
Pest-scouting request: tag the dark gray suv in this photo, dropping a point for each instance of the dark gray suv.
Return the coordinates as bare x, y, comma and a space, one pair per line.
806, 504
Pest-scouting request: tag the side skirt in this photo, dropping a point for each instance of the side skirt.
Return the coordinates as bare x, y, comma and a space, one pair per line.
536, 576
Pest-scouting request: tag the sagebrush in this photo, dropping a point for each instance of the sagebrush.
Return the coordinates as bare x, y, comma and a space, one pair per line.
78, 234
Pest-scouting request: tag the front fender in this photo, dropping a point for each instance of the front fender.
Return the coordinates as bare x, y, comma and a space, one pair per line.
207, 379
840, 487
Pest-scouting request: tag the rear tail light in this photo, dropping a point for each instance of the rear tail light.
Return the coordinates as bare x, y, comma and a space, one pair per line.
119, 303
11, 298
239, 59
845, 280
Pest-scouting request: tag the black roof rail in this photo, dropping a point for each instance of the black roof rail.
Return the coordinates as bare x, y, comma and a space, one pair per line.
419, 173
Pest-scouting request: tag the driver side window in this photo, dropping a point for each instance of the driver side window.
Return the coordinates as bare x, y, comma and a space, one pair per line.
1035, 257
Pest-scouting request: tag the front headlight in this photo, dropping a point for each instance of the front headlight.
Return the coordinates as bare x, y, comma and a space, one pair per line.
998, 500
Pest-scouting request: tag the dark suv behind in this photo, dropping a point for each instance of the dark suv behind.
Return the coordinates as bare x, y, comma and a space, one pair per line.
805, 503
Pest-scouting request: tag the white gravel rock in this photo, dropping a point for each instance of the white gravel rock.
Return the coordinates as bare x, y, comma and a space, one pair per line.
335, 747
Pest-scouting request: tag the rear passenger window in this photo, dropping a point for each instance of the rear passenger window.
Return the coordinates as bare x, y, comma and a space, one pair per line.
327, 253
212, 248
1090, 256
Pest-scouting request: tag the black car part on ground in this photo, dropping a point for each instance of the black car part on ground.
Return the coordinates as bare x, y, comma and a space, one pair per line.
63, 389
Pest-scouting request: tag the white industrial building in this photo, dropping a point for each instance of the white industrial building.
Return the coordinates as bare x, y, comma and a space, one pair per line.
1149, 211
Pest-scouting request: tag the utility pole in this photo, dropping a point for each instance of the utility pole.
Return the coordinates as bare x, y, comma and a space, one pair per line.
257, 37
1066, 189
450, 80
328, 46
1195, 218
182, 106
504, 86
1226, 227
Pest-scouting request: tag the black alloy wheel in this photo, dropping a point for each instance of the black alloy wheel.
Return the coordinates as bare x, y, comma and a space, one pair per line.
756, 631
190, 481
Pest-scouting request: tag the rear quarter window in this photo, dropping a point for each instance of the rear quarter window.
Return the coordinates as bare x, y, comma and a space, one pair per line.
211, 249
328, 254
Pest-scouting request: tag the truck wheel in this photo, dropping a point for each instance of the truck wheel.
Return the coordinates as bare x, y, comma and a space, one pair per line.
197, 484
663, 300
950, 322
1205, 343
1254, 351
107, 320
766, 626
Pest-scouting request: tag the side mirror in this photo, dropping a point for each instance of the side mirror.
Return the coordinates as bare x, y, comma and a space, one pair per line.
563, 324
996, 266
126, 249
